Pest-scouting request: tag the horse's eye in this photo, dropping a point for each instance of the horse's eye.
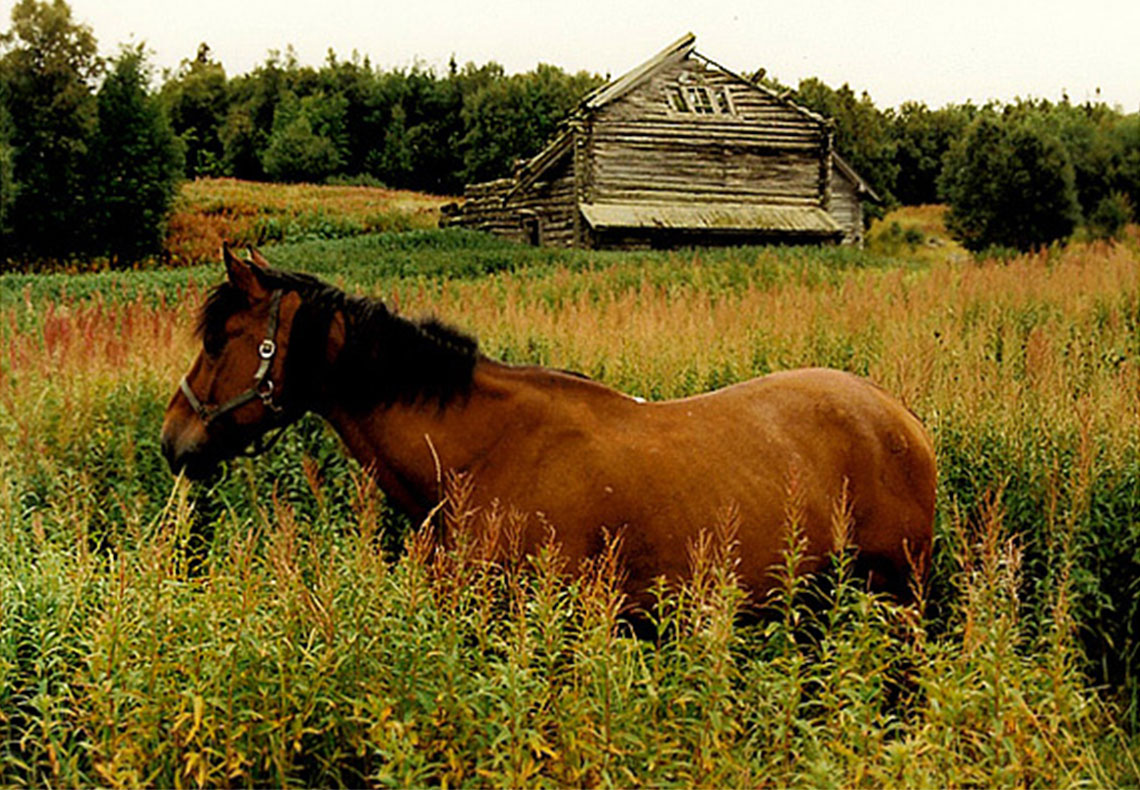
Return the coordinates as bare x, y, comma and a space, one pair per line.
213, 343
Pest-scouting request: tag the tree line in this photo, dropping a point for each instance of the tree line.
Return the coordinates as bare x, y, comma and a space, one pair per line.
1017, 175
406, 128
92, 149
84, 170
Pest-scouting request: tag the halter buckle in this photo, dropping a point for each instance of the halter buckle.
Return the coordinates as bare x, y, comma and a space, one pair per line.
262, 385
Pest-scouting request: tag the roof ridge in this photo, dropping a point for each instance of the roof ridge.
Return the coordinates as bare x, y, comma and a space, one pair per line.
599, 97
615, 89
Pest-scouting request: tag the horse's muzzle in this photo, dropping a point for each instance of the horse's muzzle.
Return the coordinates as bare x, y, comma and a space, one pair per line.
189, 460
193, 466
177, 459
169, 454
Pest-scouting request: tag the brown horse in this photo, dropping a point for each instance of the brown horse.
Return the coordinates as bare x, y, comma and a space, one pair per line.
410, 399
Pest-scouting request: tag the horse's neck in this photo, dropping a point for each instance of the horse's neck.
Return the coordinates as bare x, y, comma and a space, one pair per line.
409, 447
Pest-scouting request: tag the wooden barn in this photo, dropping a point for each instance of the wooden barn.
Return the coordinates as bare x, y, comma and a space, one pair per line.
678, 151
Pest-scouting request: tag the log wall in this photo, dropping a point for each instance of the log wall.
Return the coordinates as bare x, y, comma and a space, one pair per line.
643, 149
846, 208
549, 202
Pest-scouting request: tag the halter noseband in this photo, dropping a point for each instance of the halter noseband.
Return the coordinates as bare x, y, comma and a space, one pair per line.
262, 385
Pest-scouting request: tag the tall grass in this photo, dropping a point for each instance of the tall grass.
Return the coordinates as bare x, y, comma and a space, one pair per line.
281, 627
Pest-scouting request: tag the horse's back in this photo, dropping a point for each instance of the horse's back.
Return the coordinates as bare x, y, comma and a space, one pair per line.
798, 445
788, 446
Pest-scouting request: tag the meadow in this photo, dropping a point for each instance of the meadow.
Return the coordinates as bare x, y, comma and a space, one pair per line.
210, 210
281, 626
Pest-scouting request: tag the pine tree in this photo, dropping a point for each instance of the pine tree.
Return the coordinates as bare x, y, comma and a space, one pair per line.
48, 66
136, 164
195, 99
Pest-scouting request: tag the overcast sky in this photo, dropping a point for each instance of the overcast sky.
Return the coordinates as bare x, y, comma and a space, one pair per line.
897, 50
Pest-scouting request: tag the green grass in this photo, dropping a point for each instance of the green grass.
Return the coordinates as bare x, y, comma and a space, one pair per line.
281, 626
434, 256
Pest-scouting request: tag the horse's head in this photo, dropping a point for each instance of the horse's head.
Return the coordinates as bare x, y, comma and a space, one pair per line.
234, 393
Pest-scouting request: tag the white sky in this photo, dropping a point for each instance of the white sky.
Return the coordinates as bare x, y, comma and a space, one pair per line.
937, 52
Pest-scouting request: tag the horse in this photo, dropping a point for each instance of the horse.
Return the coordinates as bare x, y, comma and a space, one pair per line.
413, 398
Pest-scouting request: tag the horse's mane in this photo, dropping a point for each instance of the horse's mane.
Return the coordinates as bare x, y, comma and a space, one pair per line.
385, 359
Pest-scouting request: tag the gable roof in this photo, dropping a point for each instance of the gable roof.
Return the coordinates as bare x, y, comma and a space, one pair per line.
541, 162
781, 97
617, 88
848, 172
675, 52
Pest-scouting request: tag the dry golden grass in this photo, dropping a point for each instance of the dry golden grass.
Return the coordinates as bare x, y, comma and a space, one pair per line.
930, 219
211, 211
1027, 340
1039, 339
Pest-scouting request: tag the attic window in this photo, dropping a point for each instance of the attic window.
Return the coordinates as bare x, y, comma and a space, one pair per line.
677, 100
699, 99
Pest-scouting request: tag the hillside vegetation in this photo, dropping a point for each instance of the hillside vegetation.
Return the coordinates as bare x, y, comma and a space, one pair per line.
282, 626
213, 211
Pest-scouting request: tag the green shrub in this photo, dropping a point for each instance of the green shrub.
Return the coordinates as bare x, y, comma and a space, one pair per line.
297, 153
307, 142
1112, 214
1009, 182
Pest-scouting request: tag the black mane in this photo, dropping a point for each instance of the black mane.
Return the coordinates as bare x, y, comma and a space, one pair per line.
385, 359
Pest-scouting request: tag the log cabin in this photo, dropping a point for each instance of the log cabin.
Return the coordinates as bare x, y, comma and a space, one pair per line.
679, 151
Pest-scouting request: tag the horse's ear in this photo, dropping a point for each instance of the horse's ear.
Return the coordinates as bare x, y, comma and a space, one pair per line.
258, 258
243, 275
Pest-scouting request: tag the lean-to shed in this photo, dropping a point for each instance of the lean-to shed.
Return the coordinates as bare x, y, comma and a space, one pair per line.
678, 151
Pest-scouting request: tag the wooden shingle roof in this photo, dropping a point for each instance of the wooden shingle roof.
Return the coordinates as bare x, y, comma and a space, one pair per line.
725, 217
848, 172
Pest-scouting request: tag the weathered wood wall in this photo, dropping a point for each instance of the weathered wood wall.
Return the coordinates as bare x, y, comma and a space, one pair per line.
846, 208
645, 239
550, 201
642, 149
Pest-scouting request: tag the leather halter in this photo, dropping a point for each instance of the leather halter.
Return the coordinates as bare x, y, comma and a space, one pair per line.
262, 384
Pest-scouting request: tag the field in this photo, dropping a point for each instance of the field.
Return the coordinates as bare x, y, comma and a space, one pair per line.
209, 211
281, 626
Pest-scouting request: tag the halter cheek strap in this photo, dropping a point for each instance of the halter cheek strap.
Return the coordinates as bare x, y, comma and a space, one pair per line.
262, 384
